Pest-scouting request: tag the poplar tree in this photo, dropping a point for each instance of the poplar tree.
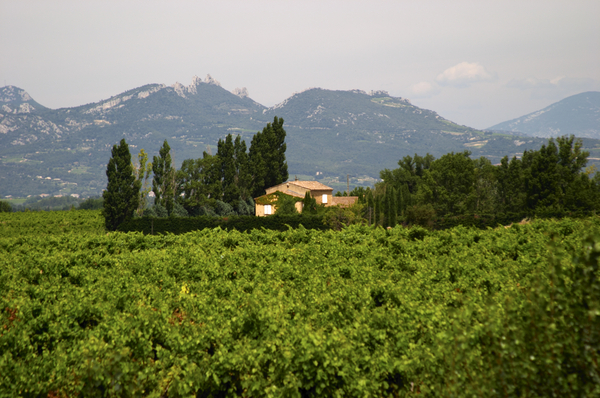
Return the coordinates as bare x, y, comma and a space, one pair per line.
142, 171
121, 197
225, 153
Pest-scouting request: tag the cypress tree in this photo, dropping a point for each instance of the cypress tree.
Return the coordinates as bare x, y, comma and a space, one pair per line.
370, 205
393, 207
121, 197
242, 174
309, 204
278, 167
163, 183
387, 208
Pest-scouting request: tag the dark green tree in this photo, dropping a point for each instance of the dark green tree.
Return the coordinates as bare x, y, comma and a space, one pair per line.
197, 182
510, 189
163, 183
309, 204
242, 172
5, 207
370, 206
286, 204
448, 184
266, 157
226, 155
393, 207
121, 197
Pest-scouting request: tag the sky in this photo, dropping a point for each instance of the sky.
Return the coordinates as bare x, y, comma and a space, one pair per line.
477, 63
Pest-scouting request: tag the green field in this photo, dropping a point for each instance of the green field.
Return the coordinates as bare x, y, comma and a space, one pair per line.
361, 312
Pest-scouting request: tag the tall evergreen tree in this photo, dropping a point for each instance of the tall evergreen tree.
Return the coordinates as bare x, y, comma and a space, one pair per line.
121, 197
309, 204
163, 183
278, 168
266, 157
370, 206
242, 173
393, 207
226, 155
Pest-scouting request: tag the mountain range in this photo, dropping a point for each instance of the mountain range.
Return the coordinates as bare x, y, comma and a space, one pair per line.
577, 115
330, 134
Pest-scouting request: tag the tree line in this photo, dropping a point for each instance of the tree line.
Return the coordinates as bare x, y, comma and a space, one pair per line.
222, 184
550, 181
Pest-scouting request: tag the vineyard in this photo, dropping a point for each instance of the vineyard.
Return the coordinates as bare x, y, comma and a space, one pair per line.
511, 311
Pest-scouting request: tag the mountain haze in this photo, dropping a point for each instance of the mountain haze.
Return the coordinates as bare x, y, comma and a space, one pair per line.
330, 133
578, 115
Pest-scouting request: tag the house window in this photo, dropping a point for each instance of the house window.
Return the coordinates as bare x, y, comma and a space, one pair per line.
324, 200
268, 210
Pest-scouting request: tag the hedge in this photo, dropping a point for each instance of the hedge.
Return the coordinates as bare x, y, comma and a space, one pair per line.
177, 225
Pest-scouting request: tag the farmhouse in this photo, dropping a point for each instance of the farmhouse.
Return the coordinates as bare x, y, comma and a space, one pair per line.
321, 192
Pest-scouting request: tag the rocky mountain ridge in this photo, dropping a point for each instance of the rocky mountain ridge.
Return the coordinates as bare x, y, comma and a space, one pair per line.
577, 115
330, 133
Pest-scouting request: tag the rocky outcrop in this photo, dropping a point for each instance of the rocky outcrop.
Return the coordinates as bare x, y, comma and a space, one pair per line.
14, 94
241, 92
210, 80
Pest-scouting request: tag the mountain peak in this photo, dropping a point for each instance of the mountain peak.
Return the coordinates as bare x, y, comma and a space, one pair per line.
578, 114
14, 94
210, 80
182, 90
16, 100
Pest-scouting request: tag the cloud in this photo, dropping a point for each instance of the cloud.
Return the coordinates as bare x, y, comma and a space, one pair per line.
424, 90
464, 74
558, 87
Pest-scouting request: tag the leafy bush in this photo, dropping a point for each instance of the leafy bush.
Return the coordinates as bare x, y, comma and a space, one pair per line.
224, 209
93, 203
5, 207
179, 210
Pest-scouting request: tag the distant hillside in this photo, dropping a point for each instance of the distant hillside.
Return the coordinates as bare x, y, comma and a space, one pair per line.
578, 115
330, 134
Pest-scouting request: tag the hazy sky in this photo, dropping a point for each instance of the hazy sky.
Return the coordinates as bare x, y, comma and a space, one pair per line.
477, 63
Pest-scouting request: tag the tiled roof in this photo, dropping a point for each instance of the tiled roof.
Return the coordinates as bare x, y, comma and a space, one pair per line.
292, 193
312, 185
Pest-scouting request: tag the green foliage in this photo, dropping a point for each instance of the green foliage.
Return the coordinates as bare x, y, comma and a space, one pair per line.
179, 210
337, 217
286, 204
543, 339
5, 207
93, 203
548, 182
150, 224
163, 182
266, 157
228, 169
309, 204
52, 203
121, 197
198, 180
142, 171
298, 312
